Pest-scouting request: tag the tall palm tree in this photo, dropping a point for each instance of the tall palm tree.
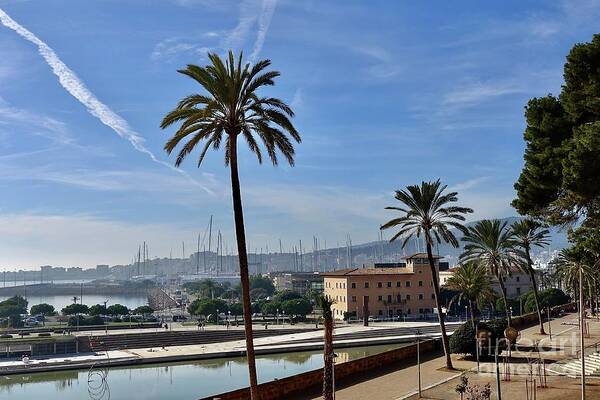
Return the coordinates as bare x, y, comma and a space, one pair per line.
231, 107
568, 264
492, 244
529, 233
426, 210
328, 355
472, 282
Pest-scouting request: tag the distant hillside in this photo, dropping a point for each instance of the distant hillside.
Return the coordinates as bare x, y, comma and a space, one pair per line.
368, 252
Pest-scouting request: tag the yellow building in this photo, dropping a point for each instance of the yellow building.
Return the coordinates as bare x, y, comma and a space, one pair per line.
402, 290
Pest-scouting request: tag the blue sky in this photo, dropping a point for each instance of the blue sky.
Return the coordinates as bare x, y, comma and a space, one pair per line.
386, 94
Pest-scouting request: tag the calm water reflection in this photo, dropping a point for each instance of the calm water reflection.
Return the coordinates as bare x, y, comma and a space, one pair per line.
177, 381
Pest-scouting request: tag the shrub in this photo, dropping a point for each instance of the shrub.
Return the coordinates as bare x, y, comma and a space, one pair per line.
463, 341
349, 314
85, 321
548, 298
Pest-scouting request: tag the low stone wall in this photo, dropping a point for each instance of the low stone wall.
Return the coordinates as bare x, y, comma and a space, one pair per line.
285, 387
527, 320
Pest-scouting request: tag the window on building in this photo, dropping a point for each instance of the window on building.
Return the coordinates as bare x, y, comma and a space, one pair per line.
398, 284
420, 311
389, 298
398, 298
408, 297
380, 312
354, 299
518, 291
420, 296
433, 296
407, 284
408, 311
420, 283
389, 284
518, 278
379, 284
353, 285
380, 298
366, 285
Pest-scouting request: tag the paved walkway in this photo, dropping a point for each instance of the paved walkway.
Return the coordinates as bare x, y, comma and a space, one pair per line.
401, 382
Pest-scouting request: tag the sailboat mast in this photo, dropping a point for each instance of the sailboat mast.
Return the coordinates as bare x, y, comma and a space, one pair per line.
210, 234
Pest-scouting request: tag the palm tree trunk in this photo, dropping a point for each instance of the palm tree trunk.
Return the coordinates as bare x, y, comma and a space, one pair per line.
328, 358
535, 290
238, 215
503, 290
472, 314
436, 291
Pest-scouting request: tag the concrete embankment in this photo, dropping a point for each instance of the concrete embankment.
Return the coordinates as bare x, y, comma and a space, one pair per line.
215, 344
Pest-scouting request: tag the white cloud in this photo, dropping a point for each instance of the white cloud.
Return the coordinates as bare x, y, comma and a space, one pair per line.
174, 47
38, 125
384, 65
74, 86
469, 184
251, 13
478, 92
297, 99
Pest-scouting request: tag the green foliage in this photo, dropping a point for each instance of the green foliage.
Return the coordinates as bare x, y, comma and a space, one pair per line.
97, 309
514, 303
13, 307
297, 307
143, 310
42, 309
206, 288
472, 283
349, 314
117, 309
286, 295
73, 309
548, 298
562, 158
270, 307
230, 97
260, 282
206, 307
258, 294
86, 321
463, 341
236, 309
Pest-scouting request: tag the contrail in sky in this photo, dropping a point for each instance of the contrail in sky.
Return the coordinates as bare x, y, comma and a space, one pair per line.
264, 20
75, 86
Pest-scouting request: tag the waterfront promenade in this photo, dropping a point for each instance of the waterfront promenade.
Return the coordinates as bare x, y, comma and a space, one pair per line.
400, 382
270, 341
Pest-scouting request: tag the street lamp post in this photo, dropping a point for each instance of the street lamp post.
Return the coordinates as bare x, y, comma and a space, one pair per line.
498, 395
417, 333
217, 318
466, 314
581, 327
549, 325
